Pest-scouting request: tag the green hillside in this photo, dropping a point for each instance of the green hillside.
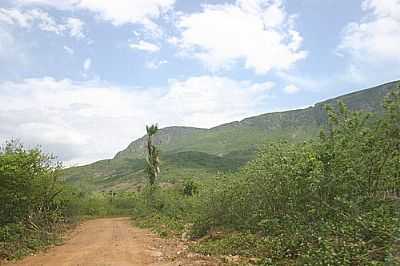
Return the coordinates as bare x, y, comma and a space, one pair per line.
199, 153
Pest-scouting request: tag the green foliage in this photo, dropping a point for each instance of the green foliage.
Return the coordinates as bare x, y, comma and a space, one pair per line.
190, 188
105, 204
201, 153
153, 155
35, 204
234, 243
166, 211
328, 202
28, 183
334, 201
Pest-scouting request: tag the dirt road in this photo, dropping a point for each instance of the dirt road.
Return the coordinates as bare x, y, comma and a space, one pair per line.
114, 241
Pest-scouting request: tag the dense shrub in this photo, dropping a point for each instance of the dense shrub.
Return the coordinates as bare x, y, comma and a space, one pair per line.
167, 211
35, 204
333, 201
103, 204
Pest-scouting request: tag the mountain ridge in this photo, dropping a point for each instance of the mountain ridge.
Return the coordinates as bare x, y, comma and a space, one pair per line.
229, 145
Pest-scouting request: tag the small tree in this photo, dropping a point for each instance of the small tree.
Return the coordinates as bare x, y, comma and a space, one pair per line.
153, 155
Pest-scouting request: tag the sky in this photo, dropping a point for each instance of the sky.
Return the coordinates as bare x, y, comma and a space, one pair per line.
82, 78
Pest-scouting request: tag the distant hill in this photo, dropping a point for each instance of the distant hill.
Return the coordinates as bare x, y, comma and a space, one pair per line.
198, 153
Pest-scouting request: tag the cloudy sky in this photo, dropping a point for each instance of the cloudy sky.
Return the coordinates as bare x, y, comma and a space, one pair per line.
81, 78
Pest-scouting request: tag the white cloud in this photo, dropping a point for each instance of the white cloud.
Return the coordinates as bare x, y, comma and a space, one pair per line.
46, 23
376, 38
381, 8
13, 53
291, 89
84, 122
87, 64
145, 46
121, 12
42, 20
259, 32
14, 16
371, 45
173, 40
75, 26
118, 12
207, 101
155, 64
60, 4
69, 50
6, 41
307, 82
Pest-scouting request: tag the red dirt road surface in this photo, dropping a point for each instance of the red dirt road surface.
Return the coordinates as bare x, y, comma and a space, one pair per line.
114, 241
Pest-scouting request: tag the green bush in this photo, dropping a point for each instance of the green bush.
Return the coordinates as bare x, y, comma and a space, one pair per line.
333, 201
102, 204
35, 204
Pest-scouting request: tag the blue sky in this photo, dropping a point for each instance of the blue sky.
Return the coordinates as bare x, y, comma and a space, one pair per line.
81, 78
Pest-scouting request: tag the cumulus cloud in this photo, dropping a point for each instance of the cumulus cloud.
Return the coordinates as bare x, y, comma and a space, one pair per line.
374, 40
87, 64
118, 12
14, 16
155, 64
291, 89
45, 22
85, 121
75, 27
207, 101
60, 4
6, 41
258, 32
377, 36
13, 53
145, 46
42, 20
69, 50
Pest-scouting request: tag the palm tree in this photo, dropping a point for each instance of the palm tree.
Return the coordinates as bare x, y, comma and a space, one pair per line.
153, 155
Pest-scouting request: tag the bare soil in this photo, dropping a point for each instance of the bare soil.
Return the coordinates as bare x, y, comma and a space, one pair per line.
114, 241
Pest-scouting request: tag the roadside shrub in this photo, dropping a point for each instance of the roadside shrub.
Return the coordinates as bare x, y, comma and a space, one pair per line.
334, 201
166, 211
35, 203
102, 204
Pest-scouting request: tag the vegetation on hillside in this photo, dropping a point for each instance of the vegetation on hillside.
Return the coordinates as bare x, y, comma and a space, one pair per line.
332, 201
204, 152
